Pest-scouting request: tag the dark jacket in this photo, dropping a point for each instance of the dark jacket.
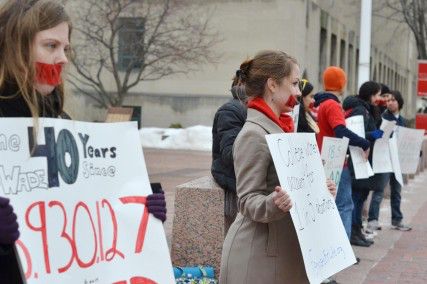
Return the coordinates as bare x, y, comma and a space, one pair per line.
401, 121
16, 107
353, 106
228, 122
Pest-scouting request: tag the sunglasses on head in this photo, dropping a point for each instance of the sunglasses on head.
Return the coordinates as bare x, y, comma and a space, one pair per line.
303, 83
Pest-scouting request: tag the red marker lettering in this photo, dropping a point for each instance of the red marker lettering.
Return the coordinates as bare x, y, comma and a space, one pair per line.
41, 228
101, 247
65, 236
27, 258
79, 261
113, 250
144, 220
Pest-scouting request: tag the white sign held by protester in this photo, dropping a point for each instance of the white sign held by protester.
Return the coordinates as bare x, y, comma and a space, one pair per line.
409, 142
324, 244
79, 193
334, 151
362, 168
381, 156
395, 160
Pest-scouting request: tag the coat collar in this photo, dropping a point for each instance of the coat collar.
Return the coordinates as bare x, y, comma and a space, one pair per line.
263, 121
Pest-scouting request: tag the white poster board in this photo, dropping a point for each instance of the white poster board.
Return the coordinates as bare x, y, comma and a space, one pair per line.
394, 155
324, 244
381, 156
334, 151
362, 168
409, 142
80, 202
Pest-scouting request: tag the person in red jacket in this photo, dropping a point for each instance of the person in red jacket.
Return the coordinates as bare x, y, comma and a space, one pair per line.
331, 122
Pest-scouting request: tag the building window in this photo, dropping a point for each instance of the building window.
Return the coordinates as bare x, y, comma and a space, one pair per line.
322, 52
357, 70
350, 66
374, 76
131, 42
342, 54
333, 50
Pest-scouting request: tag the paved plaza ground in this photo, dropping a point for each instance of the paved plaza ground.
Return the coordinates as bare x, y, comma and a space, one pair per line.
396, 257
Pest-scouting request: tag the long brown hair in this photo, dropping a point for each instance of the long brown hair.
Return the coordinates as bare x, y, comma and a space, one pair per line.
266, 64
20, 20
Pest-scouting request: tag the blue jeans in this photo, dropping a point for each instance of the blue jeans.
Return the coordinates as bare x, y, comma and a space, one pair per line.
344, 200
379, 183
377, 197
395, 197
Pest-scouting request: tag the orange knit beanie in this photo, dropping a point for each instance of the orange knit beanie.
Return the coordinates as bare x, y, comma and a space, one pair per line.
334, 79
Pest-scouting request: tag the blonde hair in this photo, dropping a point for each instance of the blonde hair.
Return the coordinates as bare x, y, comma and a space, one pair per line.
20, 20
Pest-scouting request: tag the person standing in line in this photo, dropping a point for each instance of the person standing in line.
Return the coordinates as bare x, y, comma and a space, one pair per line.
363, 104
331, 123
228, 122
306, 121
34, 48
263, 237
392, 113
381, 102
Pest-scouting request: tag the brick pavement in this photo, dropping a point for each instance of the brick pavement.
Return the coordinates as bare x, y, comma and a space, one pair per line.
172, 168
396, 257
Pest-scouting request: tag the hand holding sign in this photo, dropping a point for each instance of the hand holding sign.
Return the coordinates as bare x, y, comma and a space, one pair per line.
366, 154
332, 187
282, 199
313, 210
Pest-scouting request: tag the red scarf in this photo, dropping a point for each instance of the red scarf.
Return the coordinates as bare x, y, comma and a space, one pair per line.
284, 121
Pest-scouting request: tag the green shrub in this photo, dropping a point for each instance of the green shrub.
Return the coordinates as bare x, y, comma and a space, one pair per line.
175, 125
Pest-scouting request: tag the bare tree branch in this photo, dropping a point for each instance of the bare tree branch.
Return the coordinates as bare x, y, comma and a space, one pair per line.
411, 12
127, 42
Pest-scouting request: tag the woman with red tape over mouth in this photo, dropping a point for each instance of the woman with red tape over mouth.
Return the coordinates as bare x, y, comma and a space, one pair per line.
34, 50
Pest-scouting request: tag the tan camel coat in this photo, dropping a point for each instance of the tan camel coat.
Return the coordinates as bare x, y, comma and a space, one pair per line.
261, 245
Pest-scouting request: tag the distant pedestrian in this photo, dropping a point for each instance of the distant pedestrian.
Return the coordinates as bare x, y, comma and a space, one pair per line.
392, 113
363, 104
306, 121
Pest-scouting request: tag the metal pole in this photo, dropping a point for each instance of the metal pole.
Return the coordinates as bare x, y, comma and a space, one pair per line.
365, 42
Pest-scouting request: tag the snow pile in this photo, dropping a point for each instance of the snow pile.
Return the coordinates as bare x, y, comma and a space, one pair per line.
192, 138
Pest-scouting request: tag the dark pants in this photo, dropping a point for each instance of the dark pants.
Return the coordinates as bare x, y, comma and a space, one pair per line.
361, 188
395, 198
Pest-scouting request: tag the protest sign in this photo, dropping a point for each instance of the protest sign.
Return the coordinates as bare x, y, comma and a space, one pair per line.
324, 244
333, 155
381, 156
395, 159
362, 168
79, 191
409, 142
